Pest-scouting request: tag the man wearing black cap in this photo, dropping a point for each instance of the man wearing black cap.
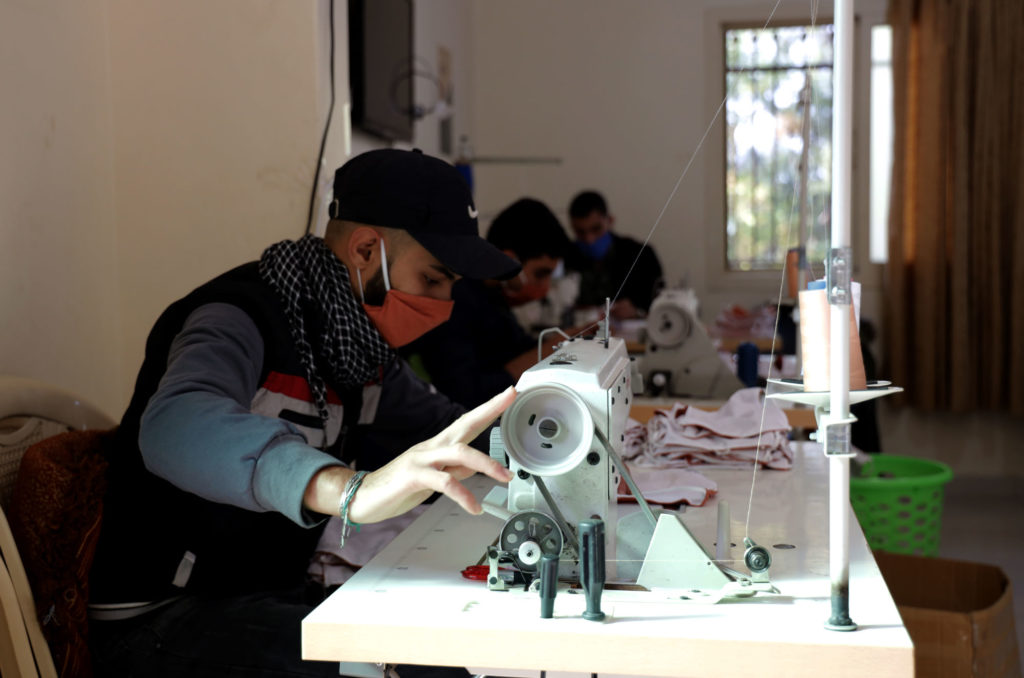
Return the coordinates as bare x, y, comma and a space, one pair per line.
270, 399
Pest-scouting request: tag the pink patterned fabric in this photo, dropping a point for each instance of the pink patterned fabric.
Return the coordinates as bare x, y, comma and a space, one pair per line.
747, 429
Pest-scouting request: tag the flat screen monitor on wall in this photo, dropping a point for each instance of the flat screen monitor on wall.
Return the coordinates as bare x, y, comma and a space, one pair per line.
380, 67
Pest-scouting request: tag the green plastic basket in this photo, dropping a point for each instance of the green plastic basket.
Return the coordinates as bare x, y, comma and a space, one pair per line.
898, 501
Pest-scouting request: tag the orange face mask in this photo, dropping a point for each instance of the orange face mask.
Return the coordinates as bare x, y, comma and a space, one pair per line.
403, 317
527, 291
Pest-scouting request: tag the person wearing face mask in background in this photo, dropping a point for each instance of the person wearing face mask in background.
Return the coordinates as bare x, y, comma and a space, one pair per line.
605, 259
270, 399
484, 349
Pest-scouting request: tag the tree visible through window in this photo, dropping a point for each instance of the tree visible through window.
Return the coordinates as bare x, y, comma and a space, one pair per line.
769, 75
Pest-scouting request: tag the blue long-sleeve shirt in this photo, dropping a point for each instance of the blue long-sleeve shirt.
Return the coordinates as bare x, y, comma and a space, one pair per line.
200, 432
212, 466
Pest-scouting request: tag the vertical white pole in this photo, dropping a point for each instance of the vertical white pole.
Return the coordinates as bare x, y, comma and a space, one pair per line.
842, 171
837, 436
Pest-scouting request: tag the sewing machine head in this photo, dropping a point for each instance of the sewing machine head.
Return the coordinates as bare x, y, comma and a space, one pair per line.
552, 434
563, 437
679, 358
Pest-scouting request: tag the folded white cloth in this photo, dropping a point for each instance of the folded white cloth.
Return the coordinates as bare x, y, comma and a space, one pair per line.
668, 486
747, 429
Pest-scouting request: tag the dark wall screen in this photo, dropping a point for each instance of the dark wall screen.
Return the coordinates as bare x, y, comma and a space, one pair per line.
381, 68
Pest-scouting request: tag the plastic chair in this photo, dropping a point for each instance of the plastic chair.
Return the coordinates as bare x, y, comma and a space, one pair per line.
30, 411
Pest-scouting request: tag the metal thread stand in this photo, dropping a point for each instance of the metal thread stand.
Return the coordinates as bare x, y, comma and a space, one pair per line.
833, 414
840, 296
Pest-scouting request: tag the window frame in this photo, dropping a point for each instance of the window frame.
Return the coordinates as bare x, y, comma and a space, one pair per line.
718, 277
782, 225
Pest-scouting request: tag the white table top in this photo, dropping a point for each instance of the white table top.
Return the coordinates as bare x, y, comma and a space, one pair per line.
411, 605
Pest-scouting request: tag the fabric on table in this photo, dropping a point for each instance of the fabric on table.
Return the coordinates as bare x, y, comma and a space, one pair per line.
634, 439
668, 486
747, 429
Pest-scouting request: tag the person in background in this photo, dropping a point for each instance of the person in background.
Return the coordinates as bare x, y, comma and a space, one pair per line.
605, 259
271, 399
483, 349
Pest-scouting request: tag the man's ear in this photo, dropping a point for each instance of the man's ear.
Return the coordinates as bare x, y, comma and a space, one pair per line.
363, 247
611, 221
510, 254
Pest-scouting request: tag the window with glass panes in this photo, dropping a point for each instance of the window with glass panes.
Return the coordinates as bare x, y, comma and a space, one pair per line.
771, 76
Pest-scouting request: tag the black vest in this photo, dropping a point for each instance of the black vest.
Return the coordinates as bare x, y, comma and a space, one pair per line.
149, 525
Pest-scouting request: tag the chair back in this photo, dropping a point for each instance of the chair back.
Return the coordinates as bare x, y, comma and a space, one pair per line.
31, 414
55, 514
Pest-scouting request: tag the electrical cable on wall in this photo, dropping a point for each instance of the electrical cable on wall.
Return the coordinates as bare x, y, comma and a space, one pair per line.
327, 125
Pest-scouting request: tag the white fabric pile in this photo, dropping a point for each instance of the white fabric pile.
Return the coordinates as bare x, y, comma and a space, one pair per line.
668, 486
732, 436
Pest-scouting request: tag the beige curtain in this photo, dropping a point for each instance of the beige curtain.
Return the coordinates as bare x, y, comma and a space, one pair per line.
955, 315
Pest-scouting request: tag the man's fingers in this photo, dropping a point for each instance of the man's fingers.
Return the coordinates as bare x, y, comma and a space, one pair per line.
473, 423
462, 455
460, 472
443, 482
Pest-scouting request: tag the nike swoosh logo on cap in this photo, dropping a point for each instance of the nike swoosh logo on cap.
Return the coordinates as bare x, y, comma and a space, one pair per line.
472, 212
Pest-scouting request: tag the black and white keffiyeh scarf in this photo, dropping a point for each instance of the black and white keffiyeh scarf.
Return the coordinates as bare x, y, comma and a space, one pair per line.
309, 278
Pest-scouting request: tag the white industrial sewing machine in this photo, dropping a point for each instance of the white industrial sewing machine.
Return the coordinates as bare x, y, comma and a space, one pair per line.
562, 437
679, 359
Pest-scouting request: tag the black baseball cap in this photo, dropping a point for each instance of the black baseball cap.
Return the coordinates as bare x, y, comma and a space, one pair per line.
425, 196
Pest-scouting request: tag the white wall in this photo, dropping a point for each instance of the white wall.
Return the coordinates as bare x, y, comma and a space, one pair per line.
218, 112
59, 296
148, 146
448, 24
600, 86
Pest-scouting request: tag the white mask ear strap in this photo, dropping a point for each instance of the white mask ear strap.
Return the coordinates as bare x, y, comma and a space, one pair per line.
362, 295
384, 266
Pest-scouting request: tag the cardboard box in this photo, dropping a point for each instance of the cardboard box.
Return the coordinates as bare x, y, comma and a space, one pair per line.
959, 615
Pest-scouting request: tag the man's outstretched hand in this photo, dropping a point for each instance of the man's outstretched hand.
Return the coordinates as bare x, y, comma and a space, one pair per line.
435, 465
